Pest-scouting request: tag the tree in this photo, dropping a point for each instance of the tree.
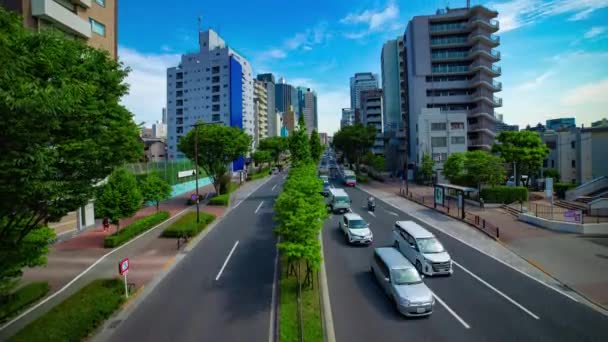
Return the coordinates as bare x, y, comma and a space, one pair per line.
260, 157
316, 150
119, 198
155, 189
298, 144
524, 148
275, 145
218, 146
482, 167
426, 167
453, 168
63, 131
552, 173
354, 141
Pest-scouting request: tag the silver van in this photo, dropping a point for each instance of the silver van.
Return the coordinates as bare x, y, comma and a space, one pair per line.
421, 248
338, 201
401, 282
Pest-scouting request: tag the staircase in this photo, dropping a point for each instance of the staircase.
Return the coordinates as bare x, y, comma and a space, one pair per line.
591, 188
510, 210
571, 205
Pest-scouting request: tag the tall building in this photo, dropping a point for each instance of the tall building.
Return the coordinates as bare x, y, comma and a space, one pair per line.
164, 116
323, 138
309, 110
273, 124
450, 66
361, 81
348, 117
260, 109
286, 96
159, 130
290, 120
214, 85
371, 115
561, 123
94, 21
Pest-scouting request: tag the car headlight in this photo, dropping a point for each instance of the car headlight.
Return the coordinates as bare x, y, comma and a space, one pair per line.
404, 301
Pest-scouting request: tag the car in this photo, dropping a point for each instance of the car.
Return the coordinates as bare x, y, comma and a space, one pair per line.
274, 171
401, 282
355, 229
422, 249
326, 188
338, 201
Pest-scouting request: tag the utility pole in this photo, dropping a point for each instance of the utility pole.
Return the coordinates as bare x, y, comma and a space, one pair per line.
196, 170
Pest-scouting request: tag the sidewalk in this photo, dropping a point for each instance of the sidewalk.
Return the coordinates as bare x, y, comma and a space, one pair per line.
579, 263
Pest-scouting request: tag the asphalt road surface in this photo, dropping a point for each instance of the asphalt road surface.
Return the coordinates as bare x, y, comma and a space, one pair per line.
222, 290
483, 300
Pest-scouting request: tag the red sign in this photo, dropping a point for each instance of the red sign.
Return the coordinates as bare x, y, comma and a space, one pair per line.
123, 266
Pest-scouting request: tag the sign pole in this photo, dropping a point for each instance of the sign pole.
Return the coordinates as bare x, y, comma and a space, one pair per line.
126, 287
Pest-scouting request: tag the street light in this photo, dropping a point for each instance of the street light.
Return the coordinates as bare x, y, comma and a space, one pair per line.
198, 219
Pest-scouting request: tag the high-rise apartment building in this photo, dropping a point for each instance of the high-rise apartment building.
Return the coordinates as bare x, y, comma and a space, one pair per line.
309, 110
273, 124
260, 110
94, 21
348, 117
371, 115
214, 85
361, 81
450, 66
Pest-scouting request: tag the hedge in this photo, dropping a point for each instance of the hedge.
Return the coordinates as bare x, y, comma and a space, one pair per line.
22, 298
186, 225
78, 316
561, 188
134, 229
220, 200
376, 176
361, 178
504, 194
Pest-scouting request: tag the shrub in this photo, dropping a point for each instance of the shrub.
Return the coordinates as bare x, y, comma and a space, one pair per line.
361, 178
220, 200
376, 176
561, 188
134, 229
22, 298
504, 194
77, 316
186, 225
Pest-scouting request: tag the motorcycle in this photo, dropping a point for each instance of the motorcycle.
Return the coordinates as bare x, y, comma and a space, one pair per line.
371, 204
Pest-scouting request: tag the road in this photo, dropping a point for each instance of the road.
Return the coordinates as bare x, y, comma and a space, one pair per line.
222, 289
483, 300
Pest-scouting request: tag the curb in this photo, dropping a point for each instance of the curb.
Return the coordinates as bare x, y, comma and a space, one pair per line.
327, 318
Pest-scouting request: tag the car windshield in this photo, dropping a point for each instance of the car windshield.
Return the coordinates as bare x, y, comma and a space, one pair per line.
357, 224
342, 199
430, 245
406, 276
351, 177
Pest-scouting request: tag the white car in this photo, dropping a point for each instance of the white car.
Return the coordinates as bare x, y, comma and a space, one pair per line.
355, 229
422, 249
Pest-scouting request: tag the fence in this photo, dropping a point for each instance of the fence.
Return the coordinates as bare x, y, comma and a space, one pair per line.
167, 170
555, 213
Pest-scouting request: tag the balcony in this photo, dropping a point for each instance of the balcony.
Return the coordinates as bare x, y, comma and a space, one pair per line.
482, 127
438, 56
451, 41
82, 3
447, 27
488, 82
458, 69
51, 11
492, 24
481, 36
493, 70
492, 54
483, 111
481, 143
487, 98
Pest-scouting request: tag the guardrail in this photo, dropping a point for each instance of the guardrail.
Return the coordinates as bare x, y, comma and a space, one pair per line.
556, 213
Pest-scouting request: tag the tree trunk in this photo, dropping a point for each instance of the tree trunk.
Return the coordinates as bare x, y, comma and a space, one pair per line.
157, 206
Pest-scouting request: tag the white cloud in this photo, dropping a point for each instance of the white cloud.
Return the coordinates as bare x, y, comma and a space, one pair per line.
274, 53
517, 13
536, 82
300, 41
588, 94
355, 35
147, 82
595, 31
166, 48
376, 20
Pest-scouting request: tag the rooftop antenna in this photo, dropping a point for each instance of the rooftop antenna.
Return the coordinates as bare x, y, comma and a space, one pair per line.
199, 29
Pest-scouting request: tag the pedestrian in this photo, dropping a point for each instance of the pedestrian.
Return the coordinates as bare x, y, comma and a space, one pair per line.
106, 224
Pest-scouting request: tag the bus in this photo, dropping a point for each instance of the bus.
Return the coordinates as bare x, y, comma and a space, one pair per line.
350, 179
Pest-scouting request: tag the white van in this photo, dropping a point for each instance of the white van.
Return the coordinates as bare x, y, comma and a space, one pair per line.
338, 201
422, 249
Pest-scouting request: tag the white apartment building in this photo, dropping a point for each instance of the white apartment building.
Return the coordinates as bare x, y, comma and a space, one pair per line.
213, 85
260, 99
159, 130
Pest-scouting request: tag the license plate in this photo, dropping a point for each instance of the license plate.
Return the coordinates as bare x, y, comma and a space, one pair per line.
420, 310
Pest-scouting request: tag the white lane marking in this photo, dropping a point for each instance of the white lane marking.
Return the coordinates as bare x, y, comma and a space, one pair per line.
81, 274
273, 300
465, 324
259, 206
392, 213
497, 291
371, 213
226, 261
482, 252
274, 187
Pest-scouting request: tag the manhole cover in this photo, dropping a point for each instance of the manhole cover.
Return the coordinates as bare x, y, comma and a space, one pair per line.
115, 323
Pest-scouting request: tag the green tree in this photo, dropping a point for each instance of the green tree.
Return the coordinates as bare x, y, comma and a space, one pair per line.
524, 148
482, 167
316, 150
426, 167
275, 145
63, 131
354, 141
453, 168
155, 189
119, 198
552, 173
298, 144
261, 157
218, 146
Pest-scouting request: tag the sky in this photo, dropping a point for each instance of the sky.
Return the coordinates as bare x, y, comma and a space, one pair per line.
554, 52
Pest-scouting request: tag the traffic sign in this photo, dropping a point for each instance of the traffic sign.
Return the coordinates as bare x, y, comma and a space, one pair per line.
123, 266
193, 197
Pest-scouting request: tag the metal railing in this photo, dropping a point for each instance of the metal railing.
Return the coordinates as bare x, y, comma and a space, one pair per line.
447, 41
555, 213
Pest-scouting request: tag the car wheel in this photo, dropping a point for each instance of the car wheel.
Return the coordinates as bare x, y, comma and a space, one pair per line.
419, 266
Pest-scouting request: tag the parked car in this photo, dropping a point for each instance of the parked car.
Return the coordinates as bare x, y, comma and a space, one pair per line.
401, 282
355, 229
522, 180
422, 249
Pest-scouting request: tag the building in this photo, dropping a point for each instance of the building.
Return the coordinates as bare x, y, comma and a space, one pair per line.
561, 123
285, 96
147, 132
361, 81
371, 115
539, 128
260, 110
94, 21
309, 110
159, 130
501, 127
563, 154
290, 120
280, 124
273, 125
348, 117
214, 85
324, 138
155, 150
164, 116
593, 144
440, 134
450, 66
600, 123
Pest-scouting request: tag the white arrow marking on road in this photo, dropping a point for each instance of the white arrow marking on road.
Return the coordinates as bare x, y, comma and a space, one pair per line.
259, 206
371, 213
226, 262
451, 311
497, 291
274, 187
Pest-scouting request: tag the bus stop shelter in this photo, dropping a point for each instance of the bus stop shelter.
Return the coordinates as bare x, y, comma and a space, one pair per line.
441, 191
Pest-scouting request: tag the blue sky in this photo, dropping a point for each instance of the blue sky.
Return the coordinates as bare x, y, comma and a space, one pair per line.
554, 52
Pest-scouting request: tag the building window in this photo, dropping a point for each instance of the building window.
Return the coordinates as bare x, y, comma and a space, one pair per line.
552, 163
215, 70
216, 107
215, 79
179, 84
573, 144
439, 141
545, 163
440, 157
215, 117
438, 126
98, 27
573, 163
457, 140
101, 3
457, 125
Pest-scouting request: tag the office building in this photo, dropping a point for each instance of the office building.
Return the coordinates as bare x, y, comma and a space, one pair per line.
290, 120
286, 96
324, 138
214, 85
309, 109
361, 81
159, 130
450, 66
273, 125
501, 127
260, 110
94, 21
164, 116
371, 115
348, 117
561, 123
